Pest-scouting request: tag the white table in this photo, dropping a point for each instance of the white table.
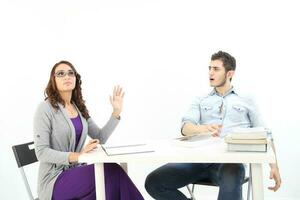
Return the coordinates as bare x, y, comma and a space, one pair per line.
212, 151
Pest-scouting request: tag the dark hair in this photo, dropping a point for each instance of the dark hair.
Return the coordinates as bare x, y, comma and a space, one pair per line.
51, 91
226, 58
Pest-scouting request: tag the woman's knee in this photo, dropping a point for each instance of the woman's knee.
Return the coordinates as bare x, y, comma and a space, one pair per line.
114, 168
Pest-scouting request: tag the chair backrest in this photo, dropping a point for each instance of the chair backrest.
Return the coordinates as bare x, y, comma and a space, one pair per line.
25, 155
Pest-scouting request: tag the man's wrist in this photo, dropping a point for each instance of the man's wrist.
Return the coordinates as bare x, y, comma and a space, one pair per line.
202, 128
274, 165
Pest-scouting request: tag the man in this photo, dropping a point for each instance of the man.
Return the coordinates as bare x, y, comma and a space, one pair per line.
216, 113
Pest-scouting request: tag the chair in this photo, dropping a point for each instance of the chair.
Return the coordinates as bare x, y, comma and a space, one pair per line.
209, 183
25, 155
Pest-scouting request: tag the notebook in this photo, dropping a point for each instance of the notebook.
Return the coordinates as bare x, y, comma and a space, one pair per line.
194, 140
112, 150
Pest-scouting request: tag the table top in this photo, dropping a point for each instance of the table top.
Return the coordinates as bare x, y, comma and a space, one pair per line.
213, 150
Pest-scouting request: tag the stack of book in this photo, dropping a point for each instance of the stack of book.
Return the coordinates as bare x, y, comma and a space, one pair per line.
247, 139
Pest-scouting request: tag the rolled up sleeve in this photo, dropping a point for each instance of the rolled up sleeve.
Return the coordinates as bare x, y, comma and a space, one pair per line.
193, 115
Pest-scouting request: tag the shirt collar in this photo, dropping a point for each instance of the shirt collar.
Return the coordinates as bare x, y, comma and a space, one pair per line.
214, 92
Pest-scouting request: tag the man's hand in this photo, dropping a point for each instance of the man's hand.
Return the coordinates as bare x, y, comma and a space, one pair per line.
193, 129
214, 129
274, 174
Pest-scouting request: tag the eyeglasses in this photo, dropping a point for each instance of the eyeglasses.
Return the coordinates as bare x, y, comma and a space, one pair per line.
62, 73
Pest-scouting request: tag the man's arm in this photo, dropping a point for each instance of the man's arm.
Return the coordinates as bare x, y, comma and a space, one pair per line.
191, 120
189, 129
256, 120
274, 173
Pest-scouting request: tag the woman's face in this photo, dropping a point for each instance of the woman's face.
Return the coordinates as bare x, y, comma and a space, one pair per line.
65, 78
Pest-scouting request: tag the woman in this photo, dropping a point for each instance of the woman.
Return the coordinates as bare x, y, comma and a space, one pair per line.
61, 125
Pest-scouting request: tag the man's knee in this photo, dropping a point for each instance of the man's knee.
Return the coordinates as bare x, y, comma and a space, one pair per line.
232, 176
152, 182
232, 170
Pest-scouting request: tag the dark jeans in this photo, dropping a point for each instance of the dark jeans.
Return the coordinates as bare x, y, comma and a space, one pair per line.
163, 183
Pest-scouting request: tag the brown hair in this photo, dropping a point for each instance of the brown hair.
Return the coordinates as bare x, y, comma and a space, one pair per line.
229, 62
51, 92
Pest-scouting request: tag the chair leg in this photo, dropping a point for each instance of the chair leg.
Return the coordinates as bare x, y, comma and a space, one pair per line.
26, 184
248, 192
191, 191
249, 184
193, 188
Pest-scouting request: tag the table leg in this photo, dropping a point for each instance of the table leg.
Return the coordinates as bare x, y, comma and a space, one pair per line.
257, 181
100, 181
124, 166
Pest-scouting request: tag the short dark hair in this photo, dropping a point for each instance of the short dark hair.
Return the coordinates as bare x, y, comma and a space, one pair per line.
226, 58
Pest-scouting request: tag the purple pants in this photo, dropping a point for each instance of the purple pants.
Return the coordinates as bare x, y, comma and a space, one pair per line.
79, 183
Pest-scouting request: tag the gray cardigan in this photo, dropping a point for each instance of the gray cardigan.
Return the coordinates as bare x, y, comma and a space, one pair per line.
54, 139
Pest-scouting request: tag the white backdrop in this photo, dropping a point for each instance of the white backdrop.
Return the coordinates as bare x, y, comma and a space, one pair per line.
159, 52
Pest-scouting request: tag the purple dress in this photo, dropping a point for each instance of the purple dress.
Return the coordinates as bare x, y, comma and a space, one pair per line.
79, 182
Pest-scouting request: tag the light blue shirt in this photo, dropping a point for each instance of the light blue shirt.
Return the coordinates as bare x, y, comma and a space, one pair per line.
230, 111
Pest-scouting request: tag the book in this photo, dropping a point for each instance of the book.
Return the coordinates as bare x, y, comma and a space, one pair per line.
247, 147
229, 139
247, 139
248, 133
112, 150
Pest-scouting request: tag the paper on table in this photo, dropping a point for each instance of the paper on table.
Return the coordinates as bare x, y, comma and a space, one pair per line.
112, 150
195, 140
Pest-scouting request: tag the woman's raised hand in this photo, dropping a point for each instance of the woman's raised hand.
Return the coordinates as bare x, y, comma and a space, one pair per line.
116, 101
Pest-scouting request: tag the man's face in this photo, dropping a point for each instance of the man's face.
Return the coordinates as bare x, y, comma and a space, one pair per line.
217, 74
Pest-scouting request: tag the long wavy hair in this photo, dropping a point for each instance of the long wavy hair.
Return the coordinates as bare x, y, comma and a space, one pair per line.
52, 94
